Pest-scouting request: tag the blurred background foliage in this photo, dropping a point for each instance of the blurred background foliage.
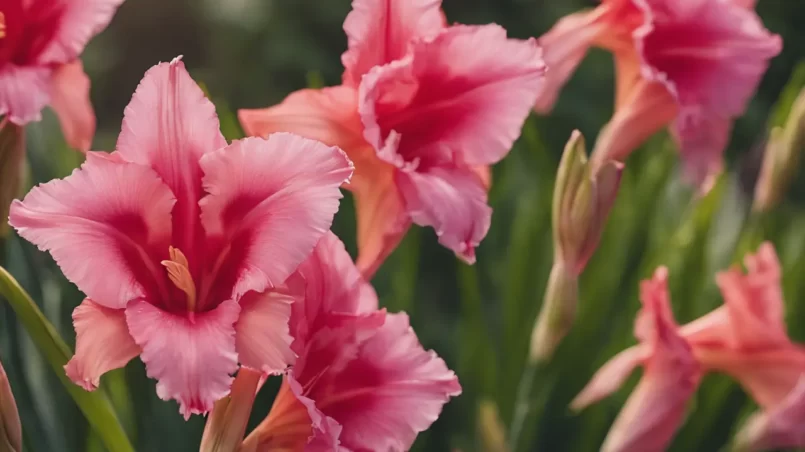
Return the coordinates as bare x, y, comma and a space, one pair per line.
251, 53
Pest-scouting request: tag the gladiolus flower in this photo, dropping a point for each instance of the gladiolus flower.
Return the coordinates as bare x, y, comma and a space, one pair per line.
40, 42
178, 238
745, 338
362, 380
690, 64
423, 110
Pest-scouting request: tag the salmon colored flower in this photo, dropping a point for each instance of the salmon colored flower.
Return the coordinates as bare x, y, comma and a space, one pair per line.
690, 64
745, 338
423, 110
177, 239
10, 427
656, 408
40, 41
362, 380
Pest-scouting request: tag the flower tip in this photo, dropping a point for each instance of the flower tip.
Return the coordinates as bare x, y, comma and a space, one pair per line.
176, 60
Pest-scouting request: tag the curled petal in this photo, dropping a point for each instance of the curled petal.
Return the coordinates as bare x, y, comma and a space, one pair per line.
379, 32
271, 201
103, 343
263, 341
118, 213
70, 100
192, 359
453, 202
475, 83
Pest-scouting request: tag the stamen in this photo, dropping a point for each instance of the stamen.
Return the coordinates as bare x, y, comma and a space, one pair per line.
179, 274
2, 25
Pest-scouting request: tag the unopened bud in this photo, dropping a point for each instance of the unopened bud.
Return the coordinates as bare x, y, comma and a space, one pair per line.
12, 153
581, 204
490, 427
11, 433
781, 158
557, 314
226, 423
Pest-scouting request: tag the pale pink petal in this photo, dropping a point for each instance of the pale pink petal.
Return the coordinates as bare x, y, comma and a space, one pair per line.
453, 202
381, 31
461, 97
397, 390
169, 125
325, 430
70, 100
263, 340
271, 200
329, 115
102, 343
780, 427
192, 359
78, 23
333, 283
24, 92
702, 138
565, 45
102, 224
656, 408
610, 377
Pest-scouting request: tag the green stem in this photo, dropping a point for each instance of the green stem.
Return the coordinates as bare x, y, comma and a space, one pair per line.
522, 404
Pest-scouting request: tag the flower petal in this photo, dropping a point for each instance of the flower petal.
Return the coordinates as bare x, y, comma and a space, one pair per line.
610, 377
329, 115
381, 31
103, 343
118, 213
566, 44
78, 23
24, 92
397, 390
169, 125
460, 97
780, 427
271, 201
656, 408
70, 100
192, 359
263, 341
453, 202
702, 138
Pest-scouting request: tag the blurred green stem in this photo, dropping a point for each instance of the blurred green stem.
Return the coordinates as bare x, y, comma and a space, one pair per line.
522, 404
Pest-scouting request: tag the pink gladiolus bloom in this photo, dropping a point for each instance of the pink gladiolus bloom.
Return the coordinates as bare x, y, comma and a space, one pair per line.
745, 338
690, 64
40, 42
423, 109
780, 427
657, 406
177, 239
362, 380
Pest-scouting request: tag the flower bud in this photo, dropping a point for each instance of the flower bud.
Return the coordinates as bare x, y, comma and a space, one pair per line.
12, 153
557, 314
10, 427
227, 421
781, 158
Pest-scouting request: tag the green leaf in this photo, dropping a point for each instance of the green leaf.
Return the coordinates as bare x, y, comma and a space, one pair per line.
95, 406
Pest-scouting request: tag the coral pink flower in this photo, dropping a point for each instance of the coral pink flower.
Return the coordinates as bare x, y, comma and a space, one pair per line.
690, 64
362, 380
657, 406
175, 237
423, 110
745, 338
780, 427
40, 41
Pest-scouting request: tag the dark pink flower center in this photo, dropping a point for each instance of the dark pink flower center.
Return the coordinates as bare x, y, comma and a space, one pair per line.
27, 30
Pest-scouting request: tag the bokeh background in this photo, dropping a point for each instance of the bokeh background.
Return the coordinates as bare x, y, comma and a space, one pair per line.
252, 53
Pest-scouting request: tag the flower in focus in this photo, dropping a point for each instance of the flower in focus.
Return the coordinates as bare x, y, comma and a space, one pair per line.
178, 238
40, 41
745, 338
581, 203
690, 64
10, 427
362, 380
656, 408
422, 111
